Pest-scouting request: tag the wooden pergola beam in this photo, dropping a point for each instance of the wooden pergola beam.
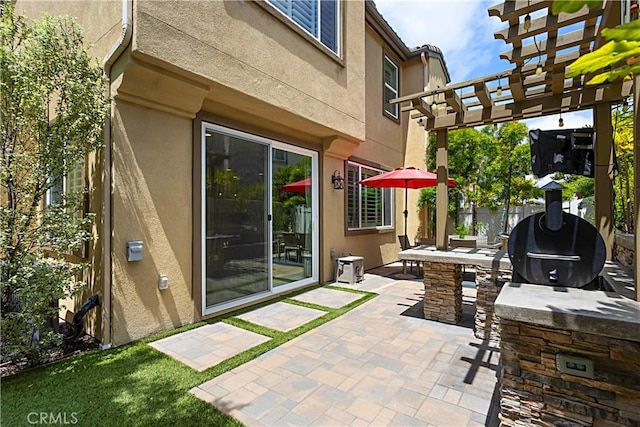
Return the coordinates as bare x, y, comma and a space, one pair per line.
420, 105
464, 84
509, 10
454, 101
515, 34
579, 99
482, 92
557, 79
515, 85
576, 38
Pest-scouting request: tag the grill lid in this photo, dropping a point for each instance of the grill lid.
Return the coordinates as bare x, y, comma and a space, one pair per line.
572, 256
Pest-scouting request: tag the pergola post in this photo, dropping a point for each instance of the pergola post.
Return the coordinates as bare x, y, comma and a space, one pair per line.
636, 183
442, 195
603, 175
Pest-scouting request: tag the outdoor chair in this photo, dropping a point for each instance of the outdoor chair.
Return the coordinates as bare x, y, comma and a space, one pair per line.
404, 245
292, 245
278, 244
425, 241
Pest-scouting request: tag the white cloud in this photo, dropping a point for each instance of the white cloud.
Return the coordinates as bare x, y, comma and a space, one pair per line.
462, 29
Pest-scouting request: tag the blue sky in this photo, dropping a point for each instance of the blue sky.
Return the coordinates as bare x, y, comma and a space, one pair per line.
463, 30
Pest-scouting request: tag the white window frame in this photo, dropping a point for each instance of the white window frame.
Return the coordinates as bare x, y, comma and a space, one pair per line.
359, 188
52, 198
318, 25
394, 107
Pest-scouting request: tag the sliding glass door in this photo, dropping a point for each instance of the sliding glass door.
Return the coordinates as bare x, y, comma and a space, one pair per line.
292, 216
259, 217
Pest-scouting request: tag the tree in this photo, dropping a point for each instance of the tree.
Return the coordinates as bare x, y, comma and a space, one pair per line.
467, 158
52, 109
285, 203
490, 165
623, 142
509, 169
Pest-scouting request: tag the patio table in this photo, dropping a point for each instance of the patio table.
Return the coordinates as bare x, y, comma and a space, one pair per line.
443, 284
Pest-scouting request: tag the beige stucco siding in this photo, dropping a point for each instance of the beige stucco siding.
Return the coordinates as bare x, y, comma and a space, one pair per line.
152, 202
241, 47
384, 136
100, 20
413, 81
383, 147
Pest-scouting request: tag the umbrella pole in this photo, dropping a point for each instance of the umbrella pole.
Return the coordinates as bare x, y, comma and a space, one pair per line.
406, 212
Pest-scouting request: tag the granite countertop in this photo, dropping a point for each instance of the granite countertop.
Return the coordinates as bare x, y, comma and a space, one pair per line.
483, 257
601, 313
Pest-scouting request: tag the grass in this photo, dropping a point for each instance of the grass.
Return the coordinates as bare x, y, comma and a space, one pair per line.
131, 385
136, 384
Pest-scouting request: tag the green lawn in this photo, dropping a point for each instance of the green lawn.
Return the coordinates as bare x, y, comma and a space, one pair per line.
134, 384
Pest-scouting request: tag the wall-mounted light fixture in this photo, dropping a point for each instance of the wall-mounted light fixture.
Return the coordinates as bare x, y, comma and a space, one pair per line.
337, 180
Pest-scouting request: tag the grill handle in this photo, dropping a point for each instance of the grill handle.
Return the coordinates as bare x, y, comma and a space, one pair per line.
556, 257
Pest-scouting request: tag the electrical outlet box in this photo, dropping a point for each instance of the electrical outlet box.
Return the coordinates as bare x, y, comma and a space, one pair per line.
575, 365
134, 250
163, 282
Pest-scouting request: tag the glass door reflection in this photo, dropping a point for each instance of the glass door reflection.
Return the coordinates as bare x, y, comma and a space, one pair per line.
292, 217
236, 228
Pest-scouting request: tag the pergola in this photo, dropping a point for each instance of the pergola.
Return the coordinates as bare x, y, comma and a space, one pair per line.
542, 46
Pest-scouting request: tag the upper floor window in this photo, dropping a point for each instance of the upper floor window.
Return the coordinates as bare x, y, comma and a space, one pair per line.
318, 17
390, 87
367, 207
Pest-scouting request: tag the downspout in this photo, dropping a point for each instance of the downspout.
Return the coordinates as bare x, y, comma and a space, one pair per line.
425, 62
114, 53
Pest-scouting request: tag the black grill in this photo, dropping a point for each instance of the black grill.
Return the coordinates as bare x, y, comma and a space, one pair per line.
556, 248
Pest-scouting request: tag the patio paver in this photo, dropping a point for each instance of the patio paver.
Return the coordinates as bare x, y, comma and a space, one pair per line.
332, 298
379, 364
208, 345
282, 316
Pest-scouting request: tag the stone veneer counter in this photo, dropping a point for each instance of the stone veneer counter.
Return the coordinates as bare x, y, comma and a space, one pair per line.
541, 324
443, 284
595, 312
488, 258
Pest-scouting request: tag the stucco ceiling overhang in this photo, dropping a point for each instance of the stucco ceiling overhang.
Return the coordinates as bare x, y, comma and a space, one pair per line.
551, 42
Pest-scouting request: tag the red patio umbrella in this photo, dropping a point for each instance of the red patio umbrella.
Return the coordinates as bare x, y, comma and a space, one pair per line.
301, 186
406, 178
298, 186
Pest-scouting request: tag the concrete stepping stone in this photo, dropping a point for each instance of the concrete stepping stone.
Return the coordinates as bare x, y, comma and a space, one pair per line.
208, 345
332, 298
282, 316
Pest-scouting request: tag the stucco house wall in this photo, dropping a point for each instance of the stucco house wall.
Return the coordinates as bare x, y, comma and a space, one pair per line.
241, 65
391, 143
